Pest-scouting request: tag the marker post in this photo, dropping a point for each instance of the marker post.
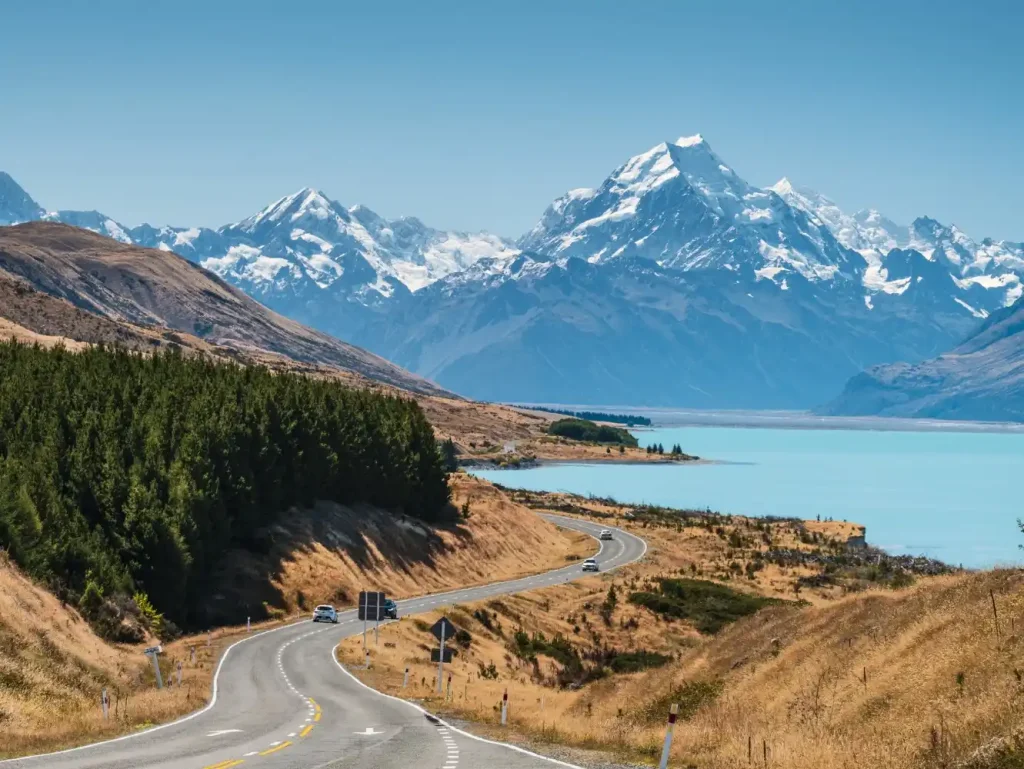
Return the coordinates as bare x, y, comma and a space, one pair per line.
440, 662
405, 678
105, 703
673, 712
504, 709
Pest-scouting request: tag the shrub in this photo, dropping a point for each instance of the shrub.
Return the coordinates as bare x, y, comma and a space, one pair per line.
584, 430
708, 605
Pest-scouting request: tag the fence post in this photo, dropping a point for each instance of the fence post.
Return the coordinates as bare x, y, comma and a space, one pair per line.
673, 711
405, 678
504, 708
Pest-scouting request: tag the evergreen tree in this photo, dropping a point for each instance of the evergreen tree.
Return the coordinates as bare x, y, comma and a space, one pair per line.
137, 473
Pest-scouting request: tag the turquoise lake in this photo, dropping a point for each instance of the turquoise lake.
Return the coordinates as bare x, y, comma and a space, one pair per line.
955, 496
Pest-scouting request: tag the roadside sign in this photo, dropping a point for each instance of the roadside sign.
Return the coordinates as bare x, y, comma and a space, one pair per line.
443, 629
371, 606
435, 655
154, 650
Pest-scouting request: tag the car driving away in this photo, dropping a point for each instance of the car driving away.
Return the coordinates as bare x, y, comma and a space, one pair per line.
325, 613
390, 609
590, 565
606, 534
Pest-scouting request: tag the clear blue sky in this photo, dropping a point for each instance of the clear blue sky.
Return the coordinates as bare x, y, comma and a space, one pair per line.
475, 115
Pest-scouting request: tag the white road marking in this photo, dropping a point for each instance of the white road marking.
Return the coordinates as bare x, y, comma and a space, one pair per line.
219, 732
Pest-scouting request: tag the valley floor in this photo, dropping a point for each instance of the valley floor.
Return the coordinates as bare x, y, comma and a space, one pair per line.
853, 667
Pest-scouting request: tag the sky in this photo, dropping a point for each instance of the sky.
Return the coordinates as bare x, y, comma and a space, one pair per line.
476, 115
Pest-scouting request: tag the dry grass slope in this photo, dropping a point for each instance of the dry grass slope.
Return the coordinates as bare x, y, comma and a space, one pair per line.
917, 678
53, 667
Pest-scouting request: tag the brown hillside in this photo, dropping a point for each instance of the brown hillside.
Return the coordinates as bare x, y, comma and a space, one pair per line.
148, 287
53, 667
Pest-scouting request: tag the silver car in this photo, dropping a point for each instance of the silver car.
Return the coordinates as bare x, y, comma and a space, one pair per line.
591, 565
325, 613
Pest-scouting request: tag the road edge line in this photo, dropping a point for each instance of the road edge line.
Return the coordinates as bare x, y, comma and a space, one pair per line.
158, 727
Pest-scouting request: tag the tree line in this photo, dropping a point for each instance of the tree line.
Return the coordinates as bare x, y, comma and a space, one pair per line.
629, 420
124, 473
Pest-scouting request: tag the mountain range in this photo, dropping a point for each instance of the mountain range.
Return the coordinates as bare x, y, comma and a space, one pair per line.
674, 282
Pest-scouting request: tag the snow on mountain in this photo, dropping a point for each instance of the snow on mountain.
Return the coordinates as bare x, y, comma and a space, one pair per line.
680, 205
995, 266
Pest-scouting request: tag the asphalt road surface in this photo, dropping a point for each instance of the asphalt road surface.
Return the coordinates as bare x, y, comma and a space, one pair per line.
281, 701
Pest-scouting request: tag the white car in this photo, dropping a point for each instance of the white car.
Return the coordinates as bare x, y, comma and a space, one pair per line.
325, 613
591, 565
605, 534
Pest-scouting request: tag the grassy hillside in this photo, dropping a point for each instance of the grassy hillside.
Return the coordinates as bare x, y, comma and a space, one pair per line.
53, 666
873, 666
123, 474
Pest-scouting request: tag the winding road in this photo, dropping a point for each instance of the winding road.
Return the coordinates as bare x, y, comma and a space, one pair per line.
281, 701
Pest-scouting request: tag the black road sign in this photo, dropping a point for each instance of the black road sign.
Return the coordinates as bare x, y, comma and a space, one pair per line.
435, 655
449, 630
371, 605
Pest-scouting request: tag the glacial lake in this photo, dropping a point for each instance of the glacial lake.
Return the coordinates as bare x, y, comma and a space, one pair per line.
955, 496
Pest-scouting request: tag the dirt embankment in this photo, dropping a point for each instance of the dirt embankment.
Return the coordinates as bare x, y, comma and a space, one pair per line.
862, 662
53, 667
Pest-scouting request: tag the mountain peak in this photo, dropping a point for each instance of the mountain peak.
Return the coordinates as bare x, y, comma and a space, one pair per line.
690, 141
783, 186
15, 204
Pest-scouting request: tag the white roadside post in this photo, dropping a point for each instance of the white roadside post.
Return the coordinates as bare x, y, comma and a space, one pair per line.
672, 713
192, 654
248, 624
152, 652
405, 678
105, 704
179, 672
504, 708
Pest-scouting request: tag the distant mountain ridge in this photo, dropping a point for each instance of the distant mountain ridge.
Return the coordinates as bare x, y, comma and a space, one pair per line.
719, 293
980, 379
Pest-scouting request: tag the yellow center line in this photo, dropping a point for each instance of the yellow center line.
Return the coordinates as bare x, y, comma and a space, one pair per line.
305, 732
226, 764
313, 702
316, 717
282, 746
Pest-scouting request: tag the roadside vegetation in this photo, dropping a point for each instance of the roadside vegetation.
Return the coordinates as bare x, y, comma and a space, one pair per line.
124, 478
585, 430
778, 638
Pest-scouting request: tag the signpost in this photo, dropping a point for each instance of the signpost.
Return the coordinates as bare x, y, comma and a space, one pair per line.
152, 653
442, 629
371, 607
105, 703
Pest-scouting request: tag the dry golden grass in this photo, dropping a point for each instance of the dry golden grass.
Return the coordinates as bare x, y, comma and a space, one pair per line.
787, 682
53, 667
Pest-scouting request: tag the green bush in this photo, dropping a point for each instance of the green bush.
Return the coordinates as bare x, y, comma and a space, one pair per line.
633, 662
585, 430
708, 605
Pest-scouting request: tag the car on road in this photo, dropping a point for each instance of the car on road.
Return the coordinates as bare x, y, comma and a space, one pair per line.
325, 613
590, 565
390, 609
605, 534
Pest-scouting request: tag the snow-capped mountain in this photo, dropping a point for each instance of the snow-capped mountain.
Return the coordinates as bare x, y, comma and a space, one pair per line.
672, 282
680, 205
994, 267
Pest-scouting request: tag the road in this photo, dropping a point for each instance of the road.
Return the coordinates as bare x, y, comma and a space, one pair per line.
281, 701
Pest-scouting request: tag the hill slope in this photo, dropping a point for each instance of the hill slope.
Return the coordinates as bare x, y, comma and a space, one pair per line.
983, 378
152, 287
